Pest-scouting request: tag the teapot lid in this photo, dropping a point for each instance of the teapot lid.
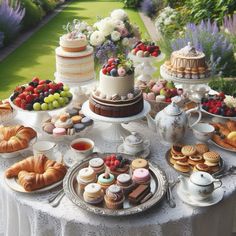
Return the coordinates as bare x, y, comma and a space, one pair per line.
134, 138
173, 109
201, 178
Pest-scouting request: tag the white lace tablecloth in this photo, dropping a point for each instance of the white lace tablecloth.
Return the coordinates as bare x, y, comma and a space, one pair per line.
30, 214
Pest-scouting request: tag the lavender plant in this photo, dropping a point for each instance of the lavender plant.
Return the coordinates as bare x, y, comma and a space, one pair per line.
1, 39
218, 49
11, 15
229, 26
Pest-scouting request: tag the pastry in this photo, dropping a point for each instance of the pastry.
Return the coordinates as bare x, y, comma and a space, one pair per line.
141, 176
188, 150
201, 148
36, 172
86, 121
79, 127
97, 164
6, 111
194, 160
231, 125
138, 194
176, 150
201, 167
114, 197
59, 131
93, 194
105, 180
139, 163
125, 182
48, 127
14, 138
76, 119
85, 177
182, 166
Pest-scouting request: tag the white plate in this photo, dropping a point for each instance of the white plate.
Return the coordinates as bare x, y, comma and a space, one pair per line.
227, 149
144, 154
19, 152
70, 158
186, 197
13, 184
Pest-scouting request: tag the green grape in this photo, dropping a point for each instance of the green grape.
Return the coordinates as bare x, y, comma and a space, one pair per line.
50, 106
63, 94
44, 106
66, 100
66, 88
51, 98
69, 94
61, 101
56, 104
56, 95
37, 106
46, 99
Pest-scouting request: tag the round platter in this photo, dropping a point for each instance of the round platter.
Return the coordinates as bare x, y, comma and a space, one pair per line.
221, 164
227, 149
182, 81
158, 189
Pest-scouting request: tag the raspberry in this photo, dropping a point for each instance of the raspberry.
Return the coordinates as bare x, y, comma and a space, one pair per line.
113, 157
117, 163
112, 163
112, 167
108, 163
104, 71
108, 158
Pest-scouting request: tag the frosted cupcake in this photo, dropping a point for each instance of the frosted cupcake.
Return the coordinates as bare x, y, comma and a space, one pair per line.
85, 177
114, 197
125, 182
105, 180
93, 194
97, 164
141, 176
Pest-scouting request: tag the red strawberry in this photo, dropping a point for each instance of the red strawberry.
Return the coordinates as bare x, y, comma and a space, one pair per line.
111, 60
40, 87
23, 104
108, 163
29, 98
155, 54
21, 96
35, 79
112, 163
29, 89
113, 157
104, 71
42, 82
17, 101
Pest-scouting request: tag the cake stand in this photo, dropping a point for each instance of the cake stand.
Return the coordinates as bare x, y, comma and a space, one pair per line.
144, 66
115, 131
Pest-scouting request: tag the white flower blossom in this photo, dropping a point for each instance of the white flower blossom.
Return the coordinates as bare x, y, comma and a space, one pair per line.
119, 14
118, 23
97, 38
106, 26
115, 36
125, 42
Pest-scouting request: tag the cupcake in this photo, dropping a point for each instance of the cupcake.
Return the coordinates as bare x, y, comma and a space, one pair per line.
85, 177
141, 176
93, 194
139, 163
125, 182
105, 180
97, 164
114, 197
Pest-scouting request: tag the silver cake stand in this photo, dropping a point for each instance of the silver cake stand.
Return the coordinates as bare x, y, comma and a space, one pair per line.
115, 131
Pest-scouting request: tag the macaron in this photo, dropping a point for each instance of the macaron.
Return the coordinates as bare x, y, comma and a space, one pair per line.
79, 127
72, 112
59, 131
139, 163
86, 121
76, 119
48, 127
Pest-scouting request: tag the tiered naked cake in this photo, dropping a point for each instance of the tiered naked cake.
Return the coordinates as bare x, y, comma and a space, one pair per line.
187, 63
115, 95
74, 59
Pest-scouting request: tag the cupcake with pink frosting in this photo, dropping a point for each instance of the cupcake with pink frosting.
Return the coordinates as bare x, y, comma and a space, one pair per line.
141, 176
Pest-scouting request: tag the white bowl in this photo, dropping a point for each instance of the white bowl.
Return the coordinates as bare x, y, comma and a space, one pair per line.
203, 131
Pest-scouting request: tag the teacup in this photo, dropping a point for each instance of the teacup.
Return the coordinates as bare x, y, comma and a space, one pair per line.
203, 131
46, 148
82, 147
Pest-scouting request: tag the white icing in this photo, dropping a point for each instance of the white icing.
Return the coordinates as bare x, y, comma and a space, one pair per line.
69, 42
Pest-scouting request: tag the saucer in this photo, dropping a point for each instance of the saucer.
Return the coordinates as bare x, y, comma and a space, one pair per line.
144, 154
70, 158
186, 197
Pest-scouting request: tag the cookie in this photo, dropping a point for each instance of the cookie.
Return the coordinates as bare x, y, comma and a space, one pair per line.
139, 163
201, 148
188, 150
176, 149
201, 167
182, 166
194, 160
212, 157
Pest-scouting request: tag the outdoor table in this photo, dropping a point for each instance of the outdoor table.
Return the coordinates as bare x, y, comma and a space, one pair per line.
30, 214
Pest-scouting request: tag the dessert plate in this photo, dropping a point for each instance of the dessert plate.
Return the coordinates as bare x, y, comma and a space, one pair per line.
186, 197
158, 188
14, 185
143, 154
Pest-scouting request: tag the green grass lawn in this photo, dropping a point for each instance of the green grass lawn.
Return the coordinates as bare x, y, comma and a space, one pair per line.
36, 57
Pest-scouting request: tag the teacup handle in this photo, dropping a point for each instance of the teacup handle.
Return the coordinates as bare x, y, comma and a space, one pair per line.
219, 182
146, 143
197, 109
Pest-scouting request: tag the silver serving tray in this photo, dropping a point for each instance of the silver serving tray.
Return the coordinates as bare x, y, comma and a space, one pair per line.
158, 188
221, 164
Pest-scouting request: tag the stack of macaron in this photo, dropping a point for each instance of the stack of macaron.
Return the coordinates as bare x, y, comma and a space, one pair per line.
186, 158
98, 185
68, 123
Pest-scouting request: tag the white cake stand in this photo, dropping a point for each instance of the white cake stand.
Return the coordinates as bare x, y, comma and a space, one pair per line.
144, 66
115, 131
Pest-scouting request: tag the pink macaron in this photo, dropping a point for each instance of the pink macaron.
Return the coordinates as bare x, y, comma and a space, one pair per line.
59, 131
141, 176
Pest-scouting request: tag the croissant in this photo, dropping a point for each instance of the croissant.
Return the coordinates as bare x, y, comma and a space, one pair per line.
14, 138
36, 172
222, 142
231, 125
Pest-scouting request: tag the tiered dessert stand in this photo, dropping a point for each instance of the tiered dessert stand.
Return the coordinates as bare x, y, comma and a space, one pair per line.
144, 66
115, 131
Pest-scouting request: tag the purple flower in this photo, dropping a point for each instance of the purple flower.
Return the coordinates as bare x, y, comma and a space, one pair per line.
230, 24
1, 39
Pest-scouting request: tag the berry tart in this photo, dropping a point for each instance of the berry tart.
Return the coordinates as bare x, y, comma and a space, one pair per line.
146, 49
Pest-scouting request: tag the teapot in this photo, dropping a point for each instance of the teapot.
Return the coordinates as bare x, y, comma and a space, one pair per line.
171, 122
200, 184
134, 143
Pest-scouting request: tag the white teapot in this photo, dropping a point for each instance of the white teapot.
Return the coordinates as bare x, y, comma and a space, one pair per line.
172, 122
200, 184
134, 143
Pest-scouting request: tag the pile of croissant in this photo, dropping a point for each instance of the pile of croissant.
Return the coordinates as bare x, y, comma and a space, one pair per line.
14, 138
222, 131
36, 172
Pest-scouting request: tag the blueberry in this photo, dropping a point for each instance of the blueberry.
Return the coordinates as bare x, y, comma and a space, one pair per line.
31, 83
113, 72
119, 157
35, 84
48, 81
29, 107
12, 98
